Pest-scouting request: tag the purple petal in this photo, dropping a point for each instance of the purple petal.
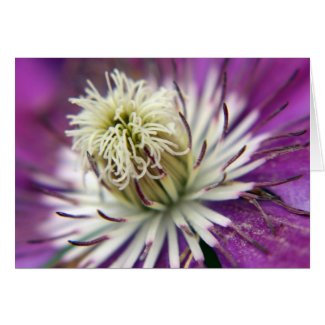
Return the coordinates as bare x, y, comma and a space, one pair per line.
288, 248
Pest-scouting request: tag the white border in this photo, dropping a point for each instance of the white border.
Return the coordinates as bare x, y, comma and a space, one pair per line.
166, 28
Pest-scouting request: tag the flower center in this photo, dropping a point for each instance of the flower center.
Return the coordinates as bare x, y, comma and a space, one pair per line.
132, 138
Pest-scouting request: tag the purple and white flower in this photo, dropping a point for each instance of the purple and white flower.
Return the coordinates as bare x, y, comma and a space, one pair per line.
173, 163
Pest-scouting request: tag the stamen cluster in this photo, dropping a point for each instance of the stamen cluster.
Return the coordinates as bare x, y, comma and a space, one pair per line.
128, 131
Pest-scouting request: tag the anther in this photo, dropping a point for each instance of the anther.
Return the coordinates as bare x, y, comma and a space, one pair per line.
141, 195
188, 129
73, 216
94, 167
108, 218
234, 158
181, 97
275, 152
264, 215
90, 242
224, 89
278, 182
286, 135
201, 155
226, 120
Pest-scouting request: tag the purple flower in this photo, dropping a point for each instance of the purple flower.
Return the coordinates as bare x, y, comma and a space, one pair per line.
172, 163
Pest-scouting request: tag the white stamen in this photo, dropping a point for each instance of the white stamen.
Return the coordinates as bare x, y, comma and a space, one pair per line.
238, 172
119, 127
195, 218
173, 249
213, 216
107, 248
133, 251
227, 192
156, 247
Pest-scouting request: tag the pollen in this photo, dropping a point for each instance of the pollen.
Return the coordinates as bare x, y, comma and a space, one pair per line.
129, 132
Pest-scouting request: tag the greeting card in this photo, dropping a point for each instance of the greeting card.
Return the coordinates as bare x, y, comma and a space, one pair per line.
163, 163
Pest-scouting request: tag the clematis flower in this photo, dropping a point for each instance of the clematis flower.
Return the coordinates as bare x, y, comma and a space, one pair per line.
172, 163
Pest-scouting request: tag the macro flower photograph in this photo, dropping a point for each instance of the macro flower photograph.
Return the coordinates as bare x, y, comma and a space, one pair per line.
162, 162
